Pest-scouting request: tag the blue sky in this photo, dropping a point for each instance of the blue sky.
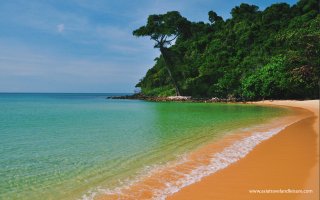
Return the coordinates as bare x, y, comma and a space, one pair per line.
86, 45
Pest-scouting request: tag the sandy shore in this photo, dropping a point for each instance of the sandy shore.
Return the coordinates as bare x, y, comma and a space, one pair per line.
288, 160
259, 160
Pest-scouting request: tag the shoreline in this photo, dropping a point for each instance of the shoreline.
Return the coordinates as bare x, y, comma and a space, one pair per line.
180, 184
288, 160
190, 99
187, 99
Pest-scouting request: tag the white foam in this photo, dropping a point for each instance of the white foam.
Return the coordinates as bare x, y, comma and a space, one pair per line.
218, 161
147, 171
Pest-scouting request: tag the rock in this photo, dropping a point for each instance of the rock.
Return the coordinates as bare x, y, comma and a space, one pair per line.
140, 96
179, 98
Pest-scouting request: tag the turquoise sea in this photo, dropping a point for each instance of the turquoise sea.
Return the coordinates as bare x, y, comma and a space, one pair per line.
62, 146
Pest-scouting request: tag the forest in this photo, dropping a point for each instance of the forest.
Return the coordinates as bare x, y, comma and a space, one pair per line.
255, 54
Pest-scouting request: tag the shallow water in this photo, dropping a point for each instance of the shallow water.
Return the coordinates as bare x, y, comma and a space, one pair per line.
60, 146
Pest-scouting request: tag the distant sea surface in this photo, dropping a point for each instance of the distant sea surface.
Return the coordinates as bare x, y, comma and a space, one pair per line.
64, 146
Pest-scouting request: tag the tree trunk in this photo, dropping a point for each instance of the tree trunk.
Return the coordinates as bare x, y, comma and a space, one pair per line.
168, 65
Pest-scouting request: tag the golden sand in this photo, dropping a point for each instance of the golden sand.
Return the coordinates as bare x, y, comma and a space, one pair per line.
289, 160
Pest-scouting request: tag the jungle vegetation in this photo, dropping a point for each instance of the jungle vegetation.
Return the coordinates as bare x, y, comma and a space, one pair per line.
255, 54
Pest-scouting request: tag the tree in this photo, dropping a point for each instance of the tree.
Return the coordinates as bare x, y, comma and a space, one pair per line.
244, 11
308, 5
214, 17
164, 29
270, 81
272, 53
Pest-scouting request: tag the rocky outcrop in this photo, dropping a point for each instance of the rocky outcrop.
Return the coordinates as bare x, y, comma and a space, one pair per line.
140, 96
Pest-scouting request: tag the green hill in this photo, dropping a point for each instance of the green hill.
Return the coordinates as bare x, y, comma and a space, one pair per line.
269, 54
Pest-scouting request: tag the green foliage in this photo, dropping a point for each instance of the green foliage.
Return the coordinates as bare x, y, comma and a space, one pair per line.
244, 12
214, 17
159, 91
161, 27
270, 81
164, 29
269, 54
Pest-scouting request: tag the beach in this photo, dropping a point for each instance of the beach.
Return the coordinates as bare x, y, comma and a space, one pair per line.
81, 146
285, 166
165, 100
280, 157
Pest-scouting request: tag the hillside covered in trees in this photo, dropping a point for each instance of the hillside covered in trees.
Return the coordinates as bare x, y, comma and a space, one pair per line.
269, 54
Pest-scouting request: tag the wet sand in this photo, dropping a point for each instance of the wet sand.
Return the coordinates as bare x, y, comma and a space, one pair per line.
288, 160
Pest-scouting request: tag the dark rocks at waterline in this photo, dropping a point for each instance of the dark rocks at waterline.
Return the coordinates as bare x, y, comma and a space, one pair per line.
137, 96
140, 96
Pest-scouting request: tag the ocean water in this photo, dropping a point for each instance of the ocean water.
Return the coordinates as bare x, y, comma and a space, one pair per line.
62, 146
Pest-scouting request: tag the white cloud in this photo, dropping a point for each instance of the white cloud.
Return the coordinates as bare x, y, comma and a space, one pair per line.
60, 28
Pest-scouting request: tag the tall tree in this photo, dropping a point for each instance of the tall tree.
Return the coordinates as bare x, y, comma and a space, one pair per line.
255, 54
165, 29
214, 17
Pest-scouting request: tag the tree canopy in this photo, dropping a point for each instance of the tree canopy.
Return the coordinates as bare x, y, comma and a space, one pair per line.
164, 29
256, 54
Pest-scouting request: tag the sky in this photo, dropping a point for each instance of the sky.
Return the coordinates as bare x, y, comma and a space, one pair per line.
86, 45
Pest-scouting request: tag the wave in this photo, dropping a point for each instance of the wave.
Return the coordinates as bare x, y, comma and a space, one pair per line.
178, 178
218, 161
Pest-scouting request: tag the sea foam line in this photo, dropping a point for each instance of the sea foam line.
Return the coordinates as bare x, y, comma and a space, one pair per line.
218, 161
